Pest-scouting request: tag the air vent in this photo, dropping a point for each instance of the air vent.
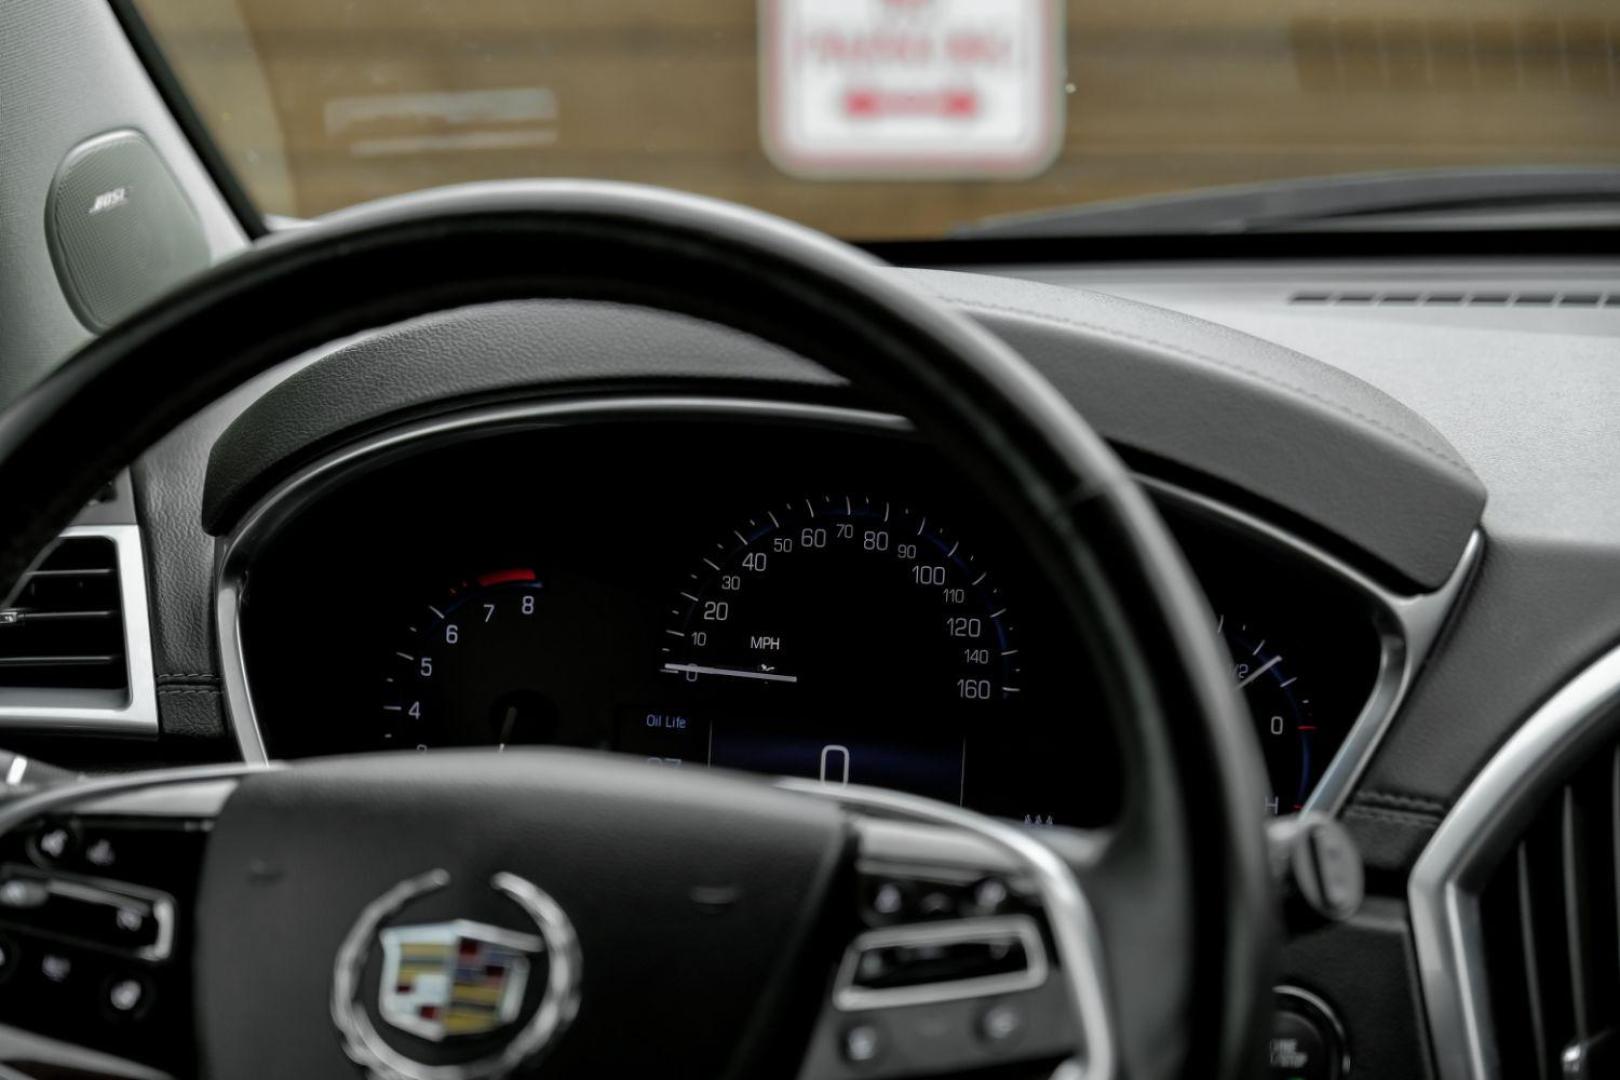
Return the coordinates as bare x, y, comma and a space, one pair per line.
65, 627
1551, 927
75, 644
1489, 299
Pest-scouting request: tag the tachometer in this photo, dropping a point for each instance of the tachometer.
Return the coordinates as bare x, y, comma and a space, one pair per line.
474, 668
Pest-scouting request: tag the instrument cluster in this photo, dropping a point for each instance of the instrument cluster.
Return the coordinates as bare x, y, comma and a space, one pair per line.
822, 603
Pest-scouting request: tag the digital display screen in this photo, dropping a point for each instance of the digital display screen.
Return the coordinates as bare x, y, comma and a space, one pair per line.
823, 750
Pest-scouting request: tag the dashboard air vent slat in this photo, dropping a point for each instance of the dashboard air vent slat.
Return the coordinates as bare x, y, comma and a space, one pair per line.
64, 629
1551, 925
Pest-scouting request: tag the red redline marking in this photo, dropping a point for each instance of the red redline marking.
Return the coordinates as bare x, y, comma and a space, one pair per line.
1306, 727
505, 577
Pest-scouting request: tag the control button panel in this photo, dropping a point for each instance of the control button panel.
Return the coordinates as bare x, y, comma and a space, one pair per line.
892, 898
93, 927
952, 970
109, 915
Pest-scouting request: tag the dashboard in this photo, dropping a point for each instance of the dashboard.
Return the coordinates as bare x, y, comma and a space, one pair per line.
813, 599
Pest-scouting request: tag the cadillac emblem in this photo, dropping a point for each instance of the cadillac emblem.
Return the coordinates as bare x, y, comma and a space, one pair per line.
456, 982
454, 978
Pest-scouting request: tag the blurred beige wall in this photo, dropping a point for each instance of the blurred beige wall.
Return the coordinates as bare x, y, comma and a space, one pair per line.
336, 101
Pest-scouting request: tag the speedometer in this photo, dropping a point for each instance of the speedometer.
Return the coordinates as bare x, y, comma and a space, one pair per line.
842, 637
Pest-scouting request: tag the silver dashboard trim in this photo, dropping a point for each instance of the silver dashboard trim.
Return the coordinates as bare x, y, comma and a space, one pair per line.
1482, 827
1407, 627
94, 711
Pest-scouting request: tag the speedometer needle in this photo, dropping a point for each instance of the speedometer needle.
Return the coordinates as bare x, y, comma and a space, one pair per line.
1259, 671
733, 673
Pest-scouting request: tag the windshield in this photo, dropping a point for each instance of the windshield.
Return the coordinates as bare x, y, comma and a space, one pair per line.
905, 119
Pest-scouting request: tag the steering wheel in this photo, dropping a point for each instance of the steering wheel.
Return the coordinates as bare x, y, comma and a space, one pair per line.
589, 916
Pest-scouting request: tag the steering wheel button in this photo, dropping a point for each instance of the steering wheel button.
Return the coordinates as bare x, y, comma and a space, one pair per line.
20, 893
126, 996
56, 968
862, 1044
101, 854
989, 896
54, 844
1001, 1024
888, 901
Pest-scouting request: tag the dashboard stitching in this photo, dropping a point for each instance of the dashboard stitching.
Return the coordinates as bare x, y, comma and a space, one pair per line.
1409, 818
1395, 799
1121, 335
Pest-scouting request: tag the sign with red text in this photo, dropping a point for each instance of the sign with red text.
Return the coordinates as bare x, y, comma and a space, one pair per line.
891, 89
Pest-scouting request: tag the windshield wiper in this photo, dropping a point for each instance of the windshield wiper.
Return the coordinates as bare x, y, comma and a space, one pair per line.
1440, 199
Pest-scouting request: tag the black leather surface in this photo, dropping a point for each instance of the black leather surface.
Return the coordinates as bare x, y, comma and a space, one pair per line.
167, 486
669, 987
1189, 814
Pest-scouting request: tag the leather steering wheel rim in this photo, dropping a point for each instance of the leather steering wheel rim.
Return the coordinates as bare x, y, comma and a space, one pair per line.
1184, 872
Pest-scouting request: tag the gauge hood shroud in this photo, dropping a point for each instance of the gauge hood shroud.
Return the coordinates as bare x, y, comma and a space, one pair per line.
1268, 425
